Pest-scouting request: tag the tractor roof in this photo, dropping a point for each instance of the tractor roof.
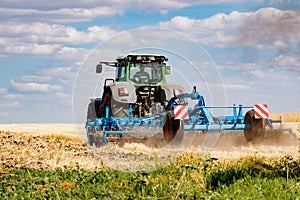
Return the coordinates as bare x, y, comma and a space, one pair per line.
143, 57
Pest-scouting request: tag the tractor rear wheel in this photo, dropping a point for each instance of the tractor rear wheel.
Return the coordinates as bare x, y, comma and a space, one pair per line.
172, 131
256, 132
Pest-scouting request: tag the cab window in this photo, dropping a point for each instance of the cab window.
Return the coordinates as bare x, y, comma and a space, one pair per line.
121, 71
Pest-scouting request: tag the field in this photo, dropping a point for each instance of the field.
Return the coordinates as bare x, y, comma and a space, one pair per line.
287, 117
54, 161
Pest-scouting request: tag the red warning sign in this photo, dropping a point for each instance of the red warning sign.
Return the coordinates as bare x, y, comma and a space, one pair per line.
181, 112
261, 111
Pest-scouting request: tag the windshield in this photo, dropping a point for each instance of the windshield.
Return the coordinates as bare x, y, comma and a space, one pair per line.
146, 72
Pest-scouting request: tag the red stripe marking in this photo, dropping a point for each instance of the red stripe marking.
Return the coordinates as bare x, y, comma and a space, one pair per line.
262, 109
178, 110
257, 114
185, 115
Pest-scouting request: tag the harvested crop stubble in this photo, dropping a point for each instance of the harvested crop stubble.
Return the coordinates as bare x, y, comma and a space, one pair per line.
21, 150
51, 146
287, 117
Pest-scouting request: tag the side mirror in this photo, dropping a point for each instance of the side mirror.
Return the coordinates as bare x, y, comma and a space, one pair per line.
168, 70
99, 69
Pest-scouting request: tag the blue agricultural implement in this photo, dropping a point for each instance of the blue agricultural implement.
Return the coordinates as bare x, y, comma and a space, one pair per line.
140, 101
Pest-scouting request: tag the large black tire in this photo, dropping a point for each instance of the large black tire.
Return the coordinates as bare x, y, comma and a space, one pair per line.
256, 132
172, 132
93, 110
116, 109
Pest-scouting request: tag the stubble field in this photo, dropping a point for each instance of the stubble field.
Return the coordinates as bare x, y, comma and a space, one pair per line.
55, 150
49, 146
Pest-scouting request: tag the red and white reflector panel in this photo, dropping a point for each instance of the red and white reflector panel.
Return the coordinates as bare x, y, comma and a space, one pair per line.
261, 111
123, 92
181, 112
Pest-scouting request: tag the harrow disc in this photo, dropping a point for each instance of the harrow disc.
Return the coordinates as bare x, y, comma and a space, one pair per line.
172, 131
256, 132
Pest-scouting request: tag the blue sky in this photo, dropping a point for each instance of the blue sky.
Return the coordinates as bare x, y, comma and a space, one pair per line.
254, 45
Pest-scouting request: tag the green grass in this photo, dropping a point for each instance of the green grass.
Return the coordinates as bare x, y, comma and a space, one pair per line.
190, 177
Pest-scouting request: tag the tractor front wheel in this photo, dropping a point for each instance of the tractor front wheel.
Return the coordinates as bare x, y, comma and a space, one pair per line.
116, 109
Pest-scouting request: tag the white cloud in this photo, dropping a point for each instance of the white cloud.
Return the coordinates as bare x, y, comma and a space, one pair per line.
273, 45
284, 4
264, 26
180, 22
231, 86
270, 24
36, 78
29, 48
98, 33
63, 95
5, 94
48, 80
34, 87
12, 96
9, 104
60, 15
236, 87
49, 40
64, 75
73, 54
79, 11
64, 98
5, 114
239, 66
52, 33
57, 71
280, 44
3, 91
289, 62
257, 73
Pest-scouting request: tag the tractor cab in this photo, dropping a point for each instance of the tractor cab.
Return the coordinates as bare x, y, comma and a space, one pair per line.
139, 69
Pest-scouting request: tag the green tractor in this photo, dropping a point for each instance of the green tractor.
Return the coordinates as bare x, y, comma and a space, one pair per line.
141, 85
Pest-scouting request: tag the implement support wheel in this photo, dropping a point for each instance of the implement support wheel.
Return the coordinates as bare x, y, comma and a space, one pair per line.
256, 132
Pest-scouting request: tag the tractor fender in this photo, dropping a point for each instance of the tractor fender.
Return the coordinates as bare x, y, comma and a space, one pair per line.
123, 92
170, 88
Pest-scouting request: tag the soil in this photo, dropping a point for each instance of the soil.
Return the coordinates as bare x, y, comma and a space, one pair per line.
52, 146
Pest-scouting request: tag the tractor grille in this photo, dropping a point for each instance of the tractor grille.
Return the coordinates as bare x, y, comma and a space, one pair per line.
145, 100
